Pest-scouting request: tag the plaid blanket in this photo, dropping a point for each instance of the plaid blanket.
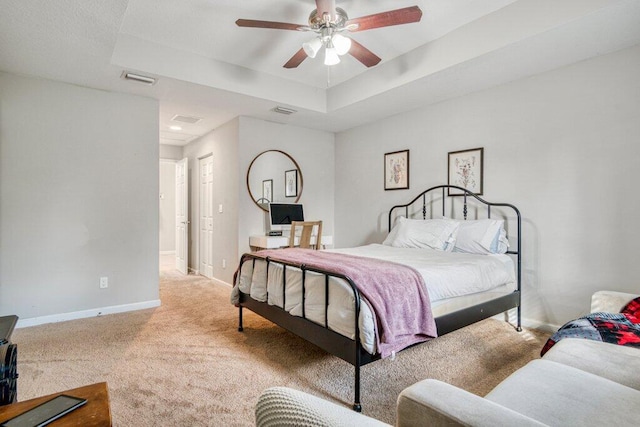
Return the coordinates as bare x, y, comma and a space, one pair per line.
617, 328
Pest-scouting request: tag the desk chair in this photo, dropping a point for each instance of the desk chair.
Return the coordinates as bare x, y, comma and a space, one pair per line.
305, 236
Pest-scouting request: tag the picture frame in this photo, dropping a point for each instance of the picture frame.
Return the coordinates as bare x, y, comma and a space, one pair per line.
291, 183
396, 170
466, 169
267, 190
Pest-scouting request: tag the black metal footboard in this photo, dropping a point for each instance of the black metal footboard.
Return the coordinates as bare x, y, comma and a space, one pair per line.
349, 350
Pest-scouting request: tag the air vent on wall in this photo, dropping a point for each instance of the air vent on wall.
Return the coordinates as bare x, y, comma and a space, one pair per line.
186, 119
138, 78
176, 136
283, 110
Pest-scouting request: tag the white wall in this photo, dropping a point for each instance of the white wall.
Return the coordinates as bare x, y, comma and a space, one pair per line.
173, 152
78, 199
562, 146
314, 152
222, 144
167, 219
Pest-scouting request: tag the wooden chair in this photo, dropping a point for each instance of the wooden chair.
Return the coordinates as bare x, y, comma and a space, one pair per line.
305, 236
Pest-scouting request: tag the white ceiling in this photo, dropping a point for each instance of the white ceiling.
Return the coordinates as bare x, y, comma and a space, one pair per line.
208, 67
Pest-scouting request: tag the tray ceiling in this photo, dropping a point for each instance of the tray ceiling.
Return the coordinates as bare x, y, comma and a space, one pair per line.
208, 67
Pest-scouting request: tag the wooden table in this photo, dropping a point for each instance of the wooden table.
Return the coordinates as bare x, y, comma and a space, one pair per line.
96, 412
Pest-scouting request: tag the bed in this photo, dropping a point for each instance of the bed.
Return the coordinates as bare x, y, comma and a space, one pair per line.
465, 270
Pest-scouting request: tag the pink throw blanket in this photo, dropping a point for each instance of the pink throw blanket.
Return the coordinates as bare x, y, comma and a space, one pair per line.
396, 294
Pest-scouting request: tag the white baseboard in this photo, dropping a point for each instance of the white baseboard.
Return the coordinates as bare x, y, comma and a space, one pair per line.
167, 252
54, 318
541, 326
526, 323
220, 282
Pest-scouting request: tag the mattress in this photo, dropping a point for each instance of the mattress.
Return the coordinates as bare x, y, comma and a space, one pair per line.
453, 281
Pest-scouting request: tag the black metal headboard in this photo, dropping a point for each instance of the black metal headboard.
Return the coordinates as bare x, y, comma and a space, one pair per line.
466, 196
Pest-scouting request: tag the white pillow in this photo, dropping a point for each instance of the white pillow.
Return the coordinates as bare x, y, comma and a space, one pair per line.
500, 244
482, 236
417, 233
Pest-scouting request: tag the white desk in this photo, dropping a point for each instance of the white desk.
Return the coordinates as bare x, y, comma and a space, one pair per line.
276, 242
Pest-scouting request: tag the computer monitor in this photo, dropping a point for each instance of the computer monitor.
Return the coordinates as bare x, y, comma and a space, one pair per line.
281, 215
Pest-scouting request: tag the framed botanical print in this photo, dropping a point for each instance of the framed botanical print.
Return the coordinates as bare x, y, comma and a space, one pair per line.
396, 170
291, 183
465, 170
267, 190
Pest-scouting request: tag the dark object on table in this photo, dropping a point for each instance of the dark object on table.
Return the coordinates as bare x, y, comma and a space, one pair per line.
7, 324
46, 412
95, 413
8, 361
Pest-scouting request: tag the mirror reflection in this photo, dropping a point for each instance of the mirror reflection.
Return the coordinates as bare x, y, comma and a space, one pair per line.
274, 176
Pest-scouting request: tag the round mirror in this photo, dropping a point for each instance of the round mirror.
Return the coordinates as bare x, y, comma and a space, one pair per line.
274, 176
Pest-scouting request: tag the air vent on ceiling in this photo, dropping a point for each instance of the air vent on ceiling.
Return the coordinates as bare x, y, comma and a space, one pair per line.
186, 119
138, 78
283, 110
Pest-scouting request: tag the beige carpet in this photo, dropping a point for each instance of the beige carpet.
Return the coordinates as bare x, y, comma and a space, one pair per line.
184, 363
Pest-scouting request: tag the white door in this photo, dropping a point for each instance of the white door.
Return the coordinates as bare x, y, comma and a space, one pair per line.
182, 215
206, 216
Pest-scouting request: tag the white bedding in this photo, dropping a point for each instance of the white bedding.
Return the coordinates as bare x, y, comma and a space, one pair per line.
447, 275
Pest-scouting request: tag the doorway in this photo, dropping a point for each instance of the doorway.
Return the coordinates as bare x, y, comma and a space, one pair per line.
167, 219
206, 216
182, 215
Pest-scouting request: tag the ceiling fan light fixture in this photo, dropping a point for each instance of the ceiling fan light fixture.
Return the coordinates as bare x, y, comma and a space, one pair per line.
329, 22
341, 43
312, 47
331, 56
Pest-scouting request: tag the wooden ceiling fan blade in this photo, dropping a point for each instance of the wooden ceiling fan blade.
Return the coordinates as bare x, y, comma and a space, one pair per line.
251, 23
326, 6
296, 59
406, 15
364, 55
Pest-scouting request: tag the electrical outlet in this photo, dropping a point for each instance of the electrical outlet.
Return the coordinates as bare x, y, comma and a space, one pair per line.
224, 263
104, 282
220, 208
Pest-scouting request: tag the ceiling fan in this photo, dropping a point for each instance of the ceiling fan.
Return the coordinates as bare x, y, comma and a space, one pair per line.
329, 23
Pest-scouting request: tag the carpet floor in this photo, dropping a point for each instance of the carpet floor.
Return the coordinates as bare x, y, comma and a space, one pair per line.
185, 363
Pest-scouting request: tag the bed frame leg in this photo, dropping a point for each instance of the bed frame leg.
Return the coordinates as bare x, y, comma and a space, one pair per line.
240, 329
356, 404
519, 327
